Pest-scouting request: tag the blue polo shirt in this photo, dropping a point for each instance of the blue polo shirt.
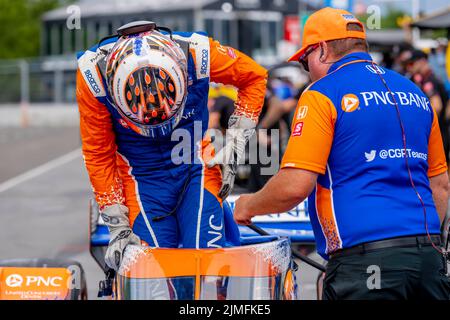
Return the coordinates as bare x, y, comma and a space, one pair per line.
346, 129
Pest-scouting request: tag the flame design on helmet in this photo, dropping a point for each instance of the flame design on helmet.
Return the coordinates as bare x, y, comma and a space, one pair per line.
147, 81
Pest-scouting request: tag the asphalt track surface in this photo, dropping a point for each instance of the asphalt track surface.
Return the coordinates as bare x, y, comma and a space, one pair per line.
44, 194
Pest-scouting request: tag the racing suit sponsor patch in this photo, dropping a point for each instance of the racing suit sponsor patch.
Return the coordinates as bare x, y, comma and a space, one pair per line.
92, 83
205, 61
231, 53
216, 232
221, 49
88, 67
201, 46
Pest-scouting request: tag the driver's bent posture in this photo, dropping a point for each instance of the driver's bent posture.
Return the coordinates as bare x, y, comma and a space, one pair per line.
132, 92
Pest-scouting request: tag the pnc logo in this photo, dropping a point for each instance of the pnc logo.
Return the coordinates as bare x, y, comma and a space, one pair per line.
17, 280
14, 280
349, 102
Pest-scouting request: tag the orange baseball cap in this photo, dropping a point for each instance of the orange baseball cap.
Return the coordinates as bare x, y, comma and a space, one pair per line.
328, 24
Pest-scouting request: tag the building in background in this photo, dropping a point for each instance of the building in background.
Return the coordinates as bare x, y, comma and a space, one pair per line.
267, 30
256, 27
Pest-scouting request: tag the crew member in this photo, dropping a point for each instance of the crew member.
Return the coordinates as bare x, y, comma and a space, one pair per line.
365, 147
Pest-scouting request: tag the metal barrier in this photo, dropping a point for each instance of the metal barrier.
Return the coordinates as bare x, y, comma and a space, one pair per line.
41, 80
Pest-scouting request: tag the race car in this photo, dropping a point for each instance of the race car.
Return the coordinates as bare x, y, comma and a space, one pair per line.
251, 266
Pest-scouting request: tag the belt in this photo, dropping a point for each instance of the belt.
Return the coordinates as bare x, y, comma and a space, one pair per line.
415, 241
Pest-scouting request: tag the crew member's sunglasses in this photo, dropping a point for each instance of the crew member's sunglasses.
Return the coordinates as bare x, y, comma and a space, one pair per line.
303, 59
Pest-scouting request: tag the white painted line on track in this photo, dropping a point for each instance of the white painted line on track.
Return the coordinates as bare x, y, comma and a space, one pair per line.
33, 173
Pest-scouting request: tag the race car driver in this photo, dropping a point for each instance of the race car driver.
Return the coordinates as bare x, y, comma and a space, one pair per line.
143, 95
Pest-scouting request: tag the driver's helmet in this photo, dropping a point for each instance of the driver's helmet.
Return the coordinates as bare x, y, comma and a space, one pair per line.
146, 76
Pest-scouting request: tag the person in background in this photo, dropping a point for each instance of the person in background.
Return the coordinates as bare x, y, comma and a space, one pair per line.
273, 129
400, 54
437, 61
422, 75
221, 106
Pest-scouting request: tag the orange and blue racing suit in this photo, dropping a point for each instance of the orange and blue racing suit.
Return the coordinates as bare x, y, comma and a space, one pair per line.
347, 130
170, 204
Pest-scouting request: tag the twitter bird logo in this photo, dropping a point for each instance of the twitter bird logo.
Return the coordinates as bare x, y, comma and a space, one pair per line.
370, 156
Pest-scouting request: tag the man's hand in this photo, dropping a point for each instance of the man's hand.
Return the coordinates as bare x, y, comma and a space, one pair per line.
241, 214
240, 129
116, 218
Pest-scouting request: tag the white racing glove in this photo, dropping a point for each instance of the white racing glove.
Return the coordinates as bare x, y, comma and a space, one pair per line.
240, 129
116, 218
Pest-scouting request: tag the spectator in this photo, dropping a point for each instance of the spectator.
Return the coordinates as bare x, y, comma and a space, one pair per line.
401, 53
420, 71
221, 110
221, 107
279, 103
437, 62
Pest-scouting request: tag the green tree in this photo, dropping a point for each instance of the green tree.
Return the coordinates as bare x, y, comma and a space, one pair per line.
20, 23
389, 20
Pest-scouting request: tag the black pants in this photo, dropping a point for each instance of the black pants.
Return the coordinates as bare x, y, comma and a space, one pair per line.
411, 273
